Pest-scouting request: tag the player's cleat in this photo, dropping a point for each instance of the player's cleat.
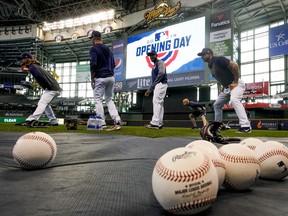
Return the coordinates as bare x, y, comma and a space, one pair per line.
244, 130
38, 124
114, 128
151, 126
26, 123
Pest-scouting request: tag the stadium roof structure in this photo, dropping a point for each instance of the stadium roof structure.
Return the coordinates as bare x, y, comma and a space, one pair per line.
247, 14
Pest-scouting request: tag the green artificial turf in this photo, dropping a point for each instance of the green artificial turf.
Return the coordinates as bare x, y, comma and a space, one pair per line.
142, 131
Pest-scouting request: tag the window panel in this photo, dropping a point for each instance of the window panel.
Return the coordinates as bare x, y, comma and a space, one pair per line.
65, 93
66, 79
90, 93
261, 54
277, 76
82, 93
246, 33
277, 64
246, 45
261, 77
262, 29
247, 79
247, 57
65, 87
246, 69
261, 67
261, 41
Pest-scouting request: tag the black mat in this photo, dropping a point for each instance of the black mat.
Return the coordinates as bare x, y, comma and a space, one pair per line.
111, 175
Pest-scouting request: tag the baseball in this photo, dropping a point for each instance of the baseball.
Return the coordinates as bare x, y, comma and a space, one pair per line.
34, 150
212, 152
251, 142
202, 143
242, 166
273, 158
184, 181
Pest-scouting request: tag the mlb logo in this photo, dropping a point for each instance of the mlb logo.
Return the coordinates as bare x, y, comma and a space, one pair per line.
161, 35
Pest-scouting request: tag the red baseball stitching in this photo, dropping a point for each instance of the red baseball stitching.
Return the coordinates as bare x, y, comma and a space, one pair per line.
180, 176
272, 153
218, 163
191, 205
238, 159
30, 166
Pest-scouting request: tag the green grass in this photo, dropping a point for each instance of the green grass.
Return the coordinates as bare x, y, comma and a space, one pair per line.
141, 131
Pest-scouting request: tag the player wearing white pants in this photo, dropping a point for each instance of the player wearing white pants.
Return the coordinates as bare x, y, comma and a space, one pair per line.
158, 104
235, 97
105, 86
50, 86
226, 72
159, 87
43, 106
102, 79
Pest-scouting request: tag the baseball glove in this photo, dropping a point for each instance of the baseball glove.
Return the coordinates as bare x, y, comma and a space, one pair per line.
71, 124
211, 133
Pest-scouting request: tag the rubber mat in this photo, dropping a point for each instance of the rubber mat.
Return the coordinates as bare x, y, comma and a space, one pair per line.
111, 176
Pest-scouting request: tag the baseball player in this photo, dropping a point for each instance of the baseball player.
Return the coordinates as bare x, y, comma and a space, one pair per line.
102, 79
197, 110
51, 90
226, 72
159, 87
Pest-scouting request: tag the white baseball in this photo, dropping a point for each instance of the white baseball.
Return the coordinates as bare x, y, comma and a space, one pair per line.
273, 158
184, 181
242, 166
212, 152
34, 150
251, 142
202, 142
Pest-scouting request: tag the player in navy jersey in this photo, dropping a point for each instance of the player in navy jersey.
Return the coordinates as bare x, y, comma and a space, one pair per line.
197, 110
158, 87
102, 79
226, 72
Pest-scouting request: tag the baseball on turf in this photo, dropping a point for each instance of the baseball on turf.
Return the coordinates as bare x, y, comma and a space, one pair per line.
242, 166
34, 150
273, 158
184, 181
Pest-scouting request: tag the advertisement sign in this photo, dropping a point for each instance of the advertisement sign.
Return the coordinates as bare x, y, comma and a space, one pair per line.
173, 80
264, 124
83, 73
256, 89
221, 33
118, 46
119, 67
176, 45
278, 40
162, 12
221, 20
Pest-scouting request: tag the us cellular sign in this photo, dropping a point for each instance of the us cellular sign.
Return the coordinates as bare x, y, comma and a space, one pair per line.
278, 40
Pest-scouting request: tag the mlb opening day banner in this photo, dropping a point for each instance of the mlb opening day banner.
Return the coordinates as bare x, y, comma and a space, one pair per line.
177, 45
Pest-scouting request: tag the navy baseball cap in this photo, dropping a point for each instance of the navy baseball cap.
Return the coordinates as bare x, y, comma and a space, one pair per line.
95, 34
151, 53
26, 55
205, 51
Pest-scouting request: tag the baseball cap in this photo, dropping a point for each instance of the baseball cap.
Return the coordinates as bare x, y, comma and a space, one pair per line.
205, 51
151, 53
95, 34
25, 55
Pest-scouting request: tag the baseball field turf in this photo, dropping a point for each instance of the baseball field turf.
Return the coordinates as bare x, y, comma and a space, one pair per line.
143, 132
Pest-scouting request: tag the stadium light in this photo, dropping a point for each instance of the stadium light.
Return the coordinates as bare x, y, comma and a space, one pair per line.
79, 21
